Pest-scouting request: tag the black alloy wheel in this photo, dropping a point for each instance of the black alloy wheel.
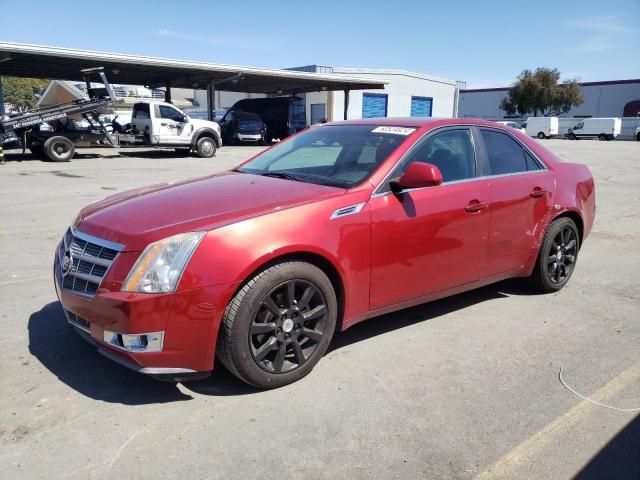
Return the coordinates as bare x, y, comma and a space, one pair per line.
278, 326
288, 327
561, 257
557, 257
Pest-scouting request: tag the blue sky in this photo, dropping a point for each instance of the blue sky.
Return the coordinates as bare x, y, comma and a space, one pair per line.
485, 43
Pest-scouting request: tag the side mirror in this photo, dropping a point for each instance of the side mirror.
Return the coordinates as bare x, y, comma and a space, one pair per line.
184, 119
417, 175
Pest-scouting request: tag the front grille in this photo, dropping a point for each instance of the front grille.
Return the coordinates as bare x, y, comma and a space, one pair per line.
89, 259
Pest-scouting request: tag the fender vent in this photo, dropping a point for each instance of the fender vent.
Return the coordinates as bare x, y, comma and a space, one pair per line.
350, 210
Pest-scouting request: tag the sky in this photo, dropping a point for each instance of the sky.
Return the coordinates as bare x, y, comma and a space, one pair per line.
484, 43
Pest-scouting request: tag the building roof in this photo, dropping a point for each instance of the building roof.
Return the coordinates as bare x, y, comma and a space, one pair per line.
582, 84
384, 71
23, 60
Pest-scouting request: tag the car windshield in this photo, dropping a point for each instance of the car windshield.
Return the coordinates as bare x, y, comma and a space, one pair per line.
336, 155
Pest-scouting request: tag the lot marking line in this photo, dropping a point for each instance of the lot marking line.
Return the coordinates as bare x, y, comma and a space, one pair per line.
531, 447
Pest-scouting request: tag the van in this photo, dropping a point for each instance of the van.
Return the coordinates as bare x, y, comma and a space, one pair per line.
283, 116
541, 127
600, 128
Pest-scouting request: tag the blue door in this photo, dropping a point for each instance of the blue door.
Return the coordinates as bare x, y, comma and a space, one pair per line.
421, 106
374, 105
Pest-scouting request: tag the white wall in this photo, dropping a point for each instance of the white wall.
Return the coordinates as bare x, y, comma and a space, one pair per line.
401, 87
599, 101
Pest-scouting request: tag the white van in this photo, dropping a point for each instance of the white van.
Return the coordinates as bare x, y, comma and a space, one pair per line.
541, 127
600, 128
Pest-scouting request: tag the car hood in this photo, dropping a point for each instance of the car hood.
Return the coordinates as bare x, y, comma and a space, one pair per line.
138, 217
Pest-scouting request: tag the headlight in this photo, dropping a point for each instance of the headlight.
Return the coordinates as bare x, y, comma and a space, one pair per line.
160, 266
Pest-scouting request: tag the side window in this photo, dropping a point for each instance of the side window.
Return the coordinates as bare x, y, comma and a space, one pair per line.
141, 111
532, 164
451, 151
505, 154
170, 113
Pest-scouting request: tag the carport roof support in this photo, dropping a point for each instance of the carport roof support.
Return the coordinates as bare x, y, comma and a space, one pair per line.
23, 60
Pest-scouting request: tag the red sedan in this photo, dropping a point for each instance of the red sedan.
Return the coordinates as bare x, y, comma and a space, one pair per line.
342, 222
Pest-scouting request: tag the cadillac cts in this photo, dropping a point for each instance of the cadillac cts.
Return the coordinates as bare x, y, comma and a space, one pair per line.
259, 266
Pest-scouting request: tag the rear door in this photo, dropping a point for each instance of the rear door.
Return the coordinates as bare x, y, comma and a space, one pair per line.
521, 197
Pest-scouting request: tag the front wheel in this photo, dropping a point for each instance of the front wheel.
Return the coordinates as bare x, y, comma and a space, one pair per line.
279, 325
571, 136
206, 147
602, 137
541, 135
557, 257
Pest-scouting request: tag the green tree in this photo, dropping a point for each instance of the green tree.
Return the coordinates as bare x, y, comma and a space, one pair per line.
23, 93
540, 93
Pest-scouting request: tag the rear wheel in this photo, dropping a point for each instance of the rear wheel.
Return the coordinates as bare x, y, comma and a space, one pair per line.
571, 136
541, 135
602, 137
206, 147
279, 325
557, 257
59, 149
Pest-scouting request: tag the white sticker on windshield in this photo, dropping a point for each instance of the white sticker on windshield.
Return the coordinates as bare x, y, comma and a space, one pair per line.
394, 130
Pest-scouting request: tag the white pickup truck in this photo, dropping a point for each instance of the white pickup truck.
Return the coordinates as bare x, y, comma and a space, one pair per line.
163, 125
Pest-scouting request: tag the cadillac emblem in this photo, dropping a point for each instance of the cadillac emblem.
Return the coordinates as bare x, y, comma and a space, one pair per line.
67, 263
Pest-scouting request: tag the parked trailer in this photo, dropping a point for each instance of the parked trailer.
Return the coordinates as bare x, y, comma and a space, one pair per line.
600, 128
164, 126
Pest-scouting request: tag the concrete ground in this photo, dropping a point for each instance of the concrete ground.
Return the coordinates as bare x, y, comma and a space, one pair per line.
466, 387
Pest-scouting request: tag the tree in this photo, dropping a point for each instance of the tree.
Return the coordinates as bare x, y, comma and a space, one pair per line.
22, 93
540, 93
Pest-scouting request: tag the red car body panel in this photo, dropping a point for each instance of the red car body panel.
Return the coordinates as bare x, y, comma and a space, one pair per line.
400, 250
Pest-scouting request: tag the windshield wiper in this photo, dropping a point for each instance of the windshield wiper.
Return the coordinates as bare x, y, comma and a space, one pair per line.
286, 176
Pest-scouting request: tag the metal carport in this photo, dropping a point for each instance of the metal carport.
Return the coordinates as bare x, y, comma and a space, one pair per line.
23, 60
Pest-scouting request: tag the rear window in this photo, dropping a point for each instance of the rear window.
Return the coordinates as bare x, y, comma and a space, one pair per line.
506, 155
141, 111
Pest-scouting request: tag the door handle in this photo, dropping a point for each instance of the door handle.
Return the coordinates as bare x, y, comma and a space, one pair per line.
476, 206
537, 192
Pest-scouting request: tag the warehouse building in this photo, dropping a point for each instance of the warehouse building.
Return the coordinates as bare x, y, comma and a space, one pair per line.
406, 94
615, 98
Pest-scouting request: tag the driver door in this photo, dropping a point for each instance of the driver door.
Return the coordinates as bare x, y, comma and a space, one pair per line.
430, 239
173, 125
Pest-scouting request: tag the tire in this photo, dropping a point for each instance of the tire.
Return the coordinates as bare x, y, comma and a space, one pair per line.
183, 151
541, 135
206, 147
37, 150
571, 136
602, 137
561, 242
638, 137
262, 326
59, 149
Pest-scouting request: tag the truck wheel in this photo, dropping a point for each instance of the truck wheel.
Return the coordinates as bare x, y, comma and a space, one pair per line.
541, 135
638, 137
571, 136
602, 137
279, 325
206, 147
59, 149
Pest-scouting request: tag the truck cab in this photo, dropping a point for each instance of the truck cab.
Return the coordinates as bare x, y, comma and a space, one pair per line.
163, 125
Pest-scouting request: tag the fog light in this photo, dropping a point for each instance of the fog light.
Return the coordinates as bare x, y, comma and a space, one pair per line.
140, 342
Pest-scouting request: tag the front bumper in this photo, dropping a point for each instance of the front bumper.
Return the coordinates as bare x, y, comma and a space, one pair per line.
188, 322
